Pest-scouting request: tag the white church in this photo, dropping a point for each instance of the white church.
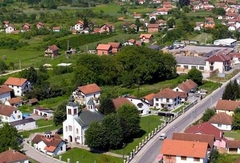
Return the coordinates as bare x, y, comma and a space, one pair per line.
76, 124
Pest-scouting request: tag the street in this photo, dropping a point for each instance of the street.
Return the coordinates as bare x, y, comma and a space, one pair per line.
151, 150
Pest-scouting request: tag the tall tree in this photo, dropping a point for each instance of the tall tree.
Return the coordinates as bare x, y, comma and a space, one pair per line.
130, 120
60, 114
195, 75
30, 74
208, 114
228, 93
107, 106
236, 119
10, 137
235, 88
3, 67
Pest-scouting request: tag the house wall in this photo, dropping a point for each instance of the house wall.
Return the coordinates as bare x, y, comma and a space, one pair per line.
58, 149
220, 143
4, 97
225, 111
20, 91
172, 103
115, 50
216, 66
102, 52
223, 127
78, 27
15, 105
189, 67
144, 109
40, 146
150, 30
26, 126
237, 152
146, 40
15, 116
9, 29
191, 159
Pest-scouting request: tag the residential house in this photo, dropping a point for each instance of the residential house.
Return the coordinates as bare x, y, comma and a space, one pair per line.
222, 121
104, 49
137, 16
162, 11
5, 93
44, 112
187, 87
32, 101
25, 27
227, 106
209, 129
149, 98
20, 86
130, 42
51, 51
141, 2
152, 28
146, 38
167, 4
10, 28
5, 24
209, 23
141, 105
56, 29
49, 144
77, 123
9, 114
190, 62
233, 146
196, 138
199, 26
39, 25
218, 62
13, 156
116, 46
161, 22
79, 26
235, 57
84, 93
106, 28
172, 151
231, 16
166, 98
152, 16
24, 124
15, 102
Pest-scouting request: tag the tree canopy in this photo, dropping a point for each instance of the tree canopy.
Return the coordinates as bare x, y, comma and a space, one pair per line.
107, 106
236, 119
195, 75
208, 114
231, 91
60, 114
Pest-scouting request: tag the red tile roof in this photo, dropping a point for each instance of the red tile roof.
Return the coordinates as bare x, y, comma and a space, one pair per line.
205, 128
15, 100
195, 137
184, 148
56, 28
15, 81
6, 110
227, 105
218, 58
10, 156
233, 144
103, 47
167, 93
4, 89
53, 47
118, 102
147, 36
149, 97
187, 86
114, 44
221, 118
90, 88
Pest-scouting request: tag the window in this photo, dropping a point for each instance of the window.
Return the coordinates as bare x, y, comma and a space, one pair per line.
69, 111
70, 128
167, 99
201, 68
157, 104
168, 157
66, 129
19, 116
196, 159
77, 130
156, 99
219, 125
61, 148
140, 105
183, 158
75, 111
186, 67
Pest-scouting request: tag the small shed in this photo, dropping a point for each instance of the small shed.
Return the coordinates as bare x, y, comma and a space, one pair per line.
32, 101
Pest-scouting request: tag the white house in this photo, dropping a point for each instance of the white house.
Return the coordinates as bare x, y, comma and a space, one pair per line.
222, 121
227, 106
20, 86
225, 42
84, 93
166, 98
218, 62
10, 29
78, 26
76, 124
24, 124
9, 113
13, 156
187, 87
190, 62
15, 102
5, 93
44, 112
49, 144
233, 146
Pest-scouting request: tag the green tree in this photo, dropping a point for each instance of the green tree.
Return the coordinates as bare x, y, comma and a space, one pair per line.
219, 11
10, 137
107, 106
60, 114
186, 9
235, 88
130, 120
95, 136
183, 3
170, 23
208, 114
30, 74
220, 31
3, 67
195, 75
228, 93
152, 21
113, 130
236, 119
214, 156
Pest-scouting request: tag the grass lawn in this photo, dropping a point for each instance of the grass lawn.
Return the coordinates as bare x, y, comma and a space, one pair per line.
232, 134
209, 86
84, 156
228, 158
179, 109
203, 38
44, 122
228, 76
200, 14
26, 134
148, 124
111, 9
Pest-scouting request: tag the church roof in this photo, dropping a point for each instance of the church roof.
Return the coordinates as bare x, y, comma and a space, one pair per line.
86, 117
73, 104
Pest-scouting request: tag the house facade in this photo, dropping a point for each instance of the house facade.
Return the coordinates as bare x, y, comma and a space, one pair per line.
76, 124
172, 151
190, 62
227, 106
233, 146
5, 93
146, 38
152, 28
44, 112
10, 29
222, 121
84, 93
78, 26
15, 102
49, 144
218, 62
20, 86
51, 51
188, 86
166, 98
24, 124
104, 49
116, 46
9, 113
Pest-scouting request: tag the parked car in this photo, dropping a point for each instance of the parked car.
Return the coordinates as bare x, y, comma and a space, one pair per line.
162, 136
59, 131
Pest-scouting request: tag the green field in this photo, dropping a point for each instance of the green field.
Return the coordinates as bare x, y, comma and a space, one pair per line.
235, 134
44, 122
84, 156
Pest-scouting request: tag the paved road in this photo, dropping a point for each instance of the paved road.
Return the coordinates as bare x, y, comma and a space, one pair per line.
151, 150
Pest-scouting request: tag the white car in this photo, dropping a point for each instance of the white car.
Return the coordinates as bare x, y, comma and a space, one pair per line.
162, 136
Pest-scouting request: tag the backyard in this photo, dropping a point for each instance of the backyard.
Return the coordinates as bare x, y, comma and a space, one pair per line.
234, 134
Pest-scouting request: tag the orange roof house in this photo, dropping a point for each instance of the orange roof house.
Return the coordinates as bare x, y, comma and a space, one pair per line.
39, 25
11, 156
222, 121
149, 98
147, 38
187, 87
51, 51
209, 23
116, 46
104, 49
173, 150
227, 106
89, 89
118, 102
153, 28
15, 81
